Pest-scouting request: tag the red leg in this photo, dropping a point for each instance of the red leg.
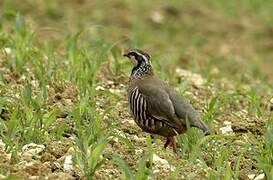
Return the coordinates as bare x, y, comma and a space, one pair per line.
167, 143
171, 141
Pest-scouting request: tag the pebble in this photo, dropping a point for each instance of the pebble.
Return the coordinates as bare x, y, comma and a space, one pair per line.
100, 88
115, 91
163, 163
271, 100
110, 82
2, 144
129, 121
68, 164
254, 177
138, 151
157, 17
33, 149
227, 128
192, 78
33, 177
2, 176
7, 50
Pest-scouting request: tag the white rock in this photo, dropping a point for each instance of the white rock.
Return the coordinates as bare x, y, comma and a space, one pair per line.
68, 163
162, 162
156, 171
115, 91
260, 177
110, 82
138, 139
120, 133
254, 177
23, 77
2, 144
29, 164
138, 151
157, 17
7, 50
251, 176
129, 121
98, 88
122, 85
2, 176
227, 128
33, 177
33, 149
192, 78
227, 123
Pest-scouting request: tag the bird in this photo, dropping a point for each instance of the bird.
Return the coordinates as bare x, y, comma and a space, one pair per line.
156, 107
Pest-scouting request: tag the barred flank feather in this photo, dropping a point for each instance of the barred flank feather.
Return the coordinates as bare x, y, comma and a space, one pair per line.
138, 107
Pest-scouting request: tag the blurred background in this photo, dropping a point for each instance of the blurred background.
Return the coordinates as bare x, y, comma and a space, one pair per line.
233, 39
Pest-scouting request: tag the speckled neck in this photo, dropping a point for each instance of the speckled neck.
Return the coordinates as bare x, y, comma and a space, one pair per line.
141, 70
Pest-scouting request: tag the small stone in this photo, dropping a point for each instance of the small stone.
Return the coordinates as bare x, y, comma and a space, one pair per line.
227, 128
157, 17
115, 91
271, 100
68, 164
162, 163
120, 133
110, 84
138, 151
2, 176
33, 177
2, 144
33, 149
254, 177
129, 121
100, 88
138, 139
260, 177
156, 171
7, 50
194, 79
251, 176
122, 85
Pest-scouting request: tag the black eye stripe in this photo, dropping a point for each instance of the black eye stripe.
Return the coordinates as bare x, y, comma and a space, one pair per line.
139, 55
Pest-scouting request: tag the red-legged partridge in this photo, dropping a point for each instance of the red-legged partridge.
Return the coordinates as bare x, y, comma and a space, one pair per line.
156, 107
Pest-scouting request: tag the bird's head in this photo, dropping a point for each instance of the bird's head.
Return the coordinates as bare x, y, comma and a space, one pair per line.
138, 57
142, 64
